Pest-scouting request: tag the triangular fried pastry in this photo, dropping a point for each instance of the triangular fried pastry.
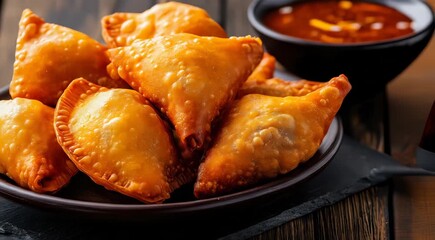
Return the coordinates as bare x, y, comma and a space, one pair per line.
122, 29
190, 78
261, 81
116, 138
278, 87
29, 152
48, 57
265, 136
264, 70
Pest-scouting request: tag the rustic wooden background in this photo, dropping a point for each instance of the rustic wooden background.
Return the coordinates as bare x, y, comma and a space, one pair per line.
366, 215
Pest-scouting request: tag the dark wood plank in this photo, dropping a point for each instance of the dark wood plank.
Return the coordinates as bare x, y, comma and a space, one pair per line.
361, 216
414, 208
411, 96
237, 23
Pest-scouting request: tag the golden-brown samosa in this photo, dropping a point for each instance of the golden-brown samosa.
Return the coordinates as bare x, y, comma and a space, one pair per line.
29, 152
265, 136
48, 57
122, 29
190, 78
278, 87
261, 81
265, 68
117, 139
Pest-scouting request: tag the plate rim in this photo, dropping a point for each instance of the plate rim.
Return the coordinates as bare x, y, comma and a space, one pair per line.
4, 92
302, 173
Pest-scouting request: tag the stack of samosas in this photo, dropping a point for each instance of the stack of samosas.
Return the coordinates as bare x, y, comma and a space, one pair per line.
169, 100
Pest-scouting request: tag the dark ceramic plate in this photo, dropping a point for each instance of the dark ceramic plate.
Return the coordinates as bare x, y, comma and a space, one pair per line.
82, 196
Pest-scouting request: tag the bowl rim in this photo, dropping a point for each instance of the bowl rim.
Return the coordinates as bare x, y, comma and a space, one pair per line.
260, 27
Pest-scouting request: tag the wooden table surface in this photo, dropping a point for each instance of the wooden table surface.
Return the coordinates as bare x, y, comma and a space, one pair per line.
410, 98
401, 209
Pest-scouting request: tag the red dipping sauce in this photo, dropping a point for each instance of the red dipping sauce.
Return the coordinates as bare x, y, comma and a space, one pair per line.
339, 21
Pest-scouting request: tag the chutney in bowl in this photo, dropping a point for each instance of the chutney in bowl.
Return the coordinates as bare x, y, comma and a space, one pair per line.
368, 63
339, 21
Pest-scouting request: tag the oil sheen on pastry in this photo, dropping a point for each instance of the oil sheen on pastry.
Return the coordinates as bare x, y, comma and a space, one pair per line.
122, 29
263, 137
264, 70
190, 78
117, 139
29, 152
48, 57
261, 81
278, 87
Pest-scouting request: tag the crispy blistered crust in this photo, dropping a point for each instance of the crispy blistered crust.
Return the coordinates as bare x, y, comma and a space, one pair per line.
265, 136
48, 57
278, 87
190, 78
111, 28
264, 70
122, 29
115, 150
261, 81
29, 152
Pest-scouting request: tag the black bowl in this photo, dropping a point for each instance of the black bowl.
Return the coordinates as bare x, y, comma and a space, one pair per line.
369, 66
